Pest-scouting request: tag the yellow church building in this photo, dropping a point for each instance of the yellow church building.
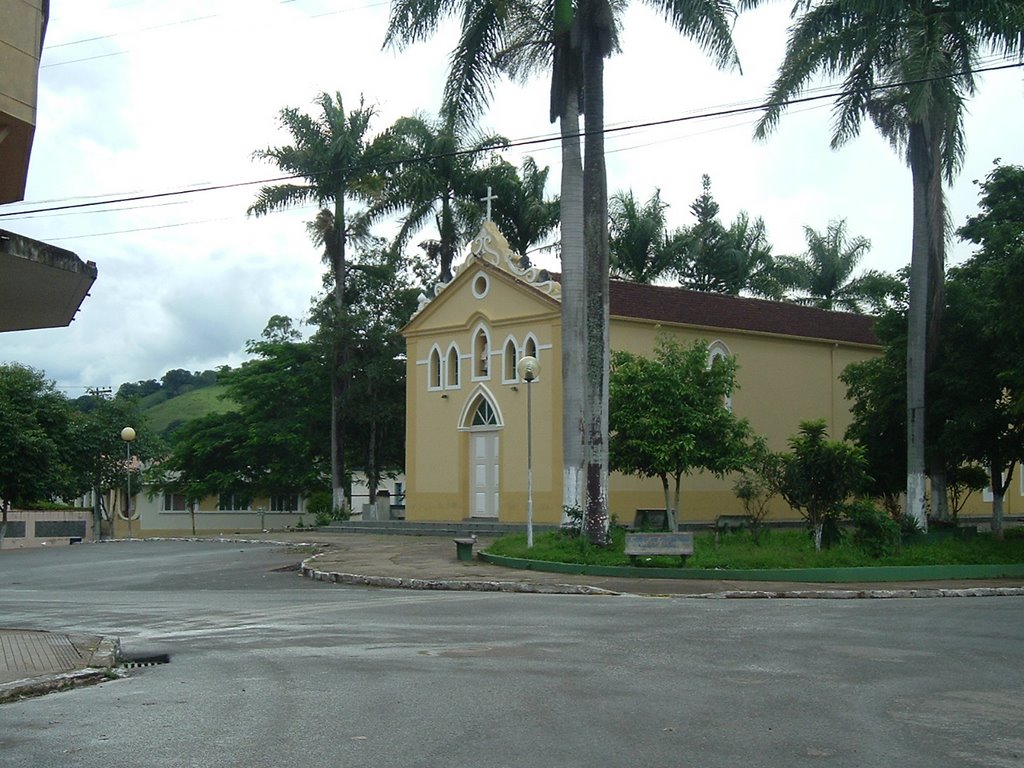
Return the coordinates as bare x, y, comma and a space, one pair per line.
466, 423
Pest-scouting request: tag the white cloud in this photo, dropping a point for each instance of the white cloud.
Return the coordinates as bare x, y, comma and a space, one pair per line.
183, 93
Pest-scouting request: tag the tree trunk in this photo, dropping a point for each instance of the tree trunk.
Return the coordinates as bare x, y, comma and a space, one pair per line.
940, 498
926, 256
999, 484
372, 475
596, 39
674, 521
339, 361
668, 500
573, 293
818, 528
447, 232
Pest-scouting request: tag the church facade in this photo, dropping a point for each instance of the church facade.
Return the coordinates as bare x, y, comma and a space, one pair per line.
466, 428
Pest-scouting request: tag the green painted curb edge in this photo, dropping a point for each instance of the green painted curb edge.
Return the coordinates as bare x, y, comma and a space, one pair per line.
838, 575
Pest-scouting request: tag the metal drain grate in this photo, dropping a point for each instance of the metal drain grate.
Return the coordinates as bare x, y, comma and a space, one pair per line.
137, 662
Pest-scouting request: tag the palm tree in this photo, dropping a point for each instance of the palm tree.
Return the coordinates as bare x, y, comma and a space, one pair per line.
336, 162
640, 249
521, 212
581, 38
908, 66
823, 275
439, 179
520, 39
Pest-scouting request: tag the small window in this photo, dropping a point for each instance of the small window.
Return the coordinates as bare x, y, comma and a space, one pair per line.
484, 416
233, 501
434, 369
718, 351
480, 286
530, 347
175, 502
481, 355
510, 358
284, 503
452, 368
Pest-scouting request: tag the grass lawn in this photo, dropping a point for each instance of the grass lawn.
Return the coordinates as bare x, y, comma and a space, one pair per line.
776, 549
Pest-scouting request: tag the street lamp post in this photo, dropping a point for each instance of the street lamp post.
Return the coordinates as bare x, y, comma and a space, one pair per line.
528, 369
128, 434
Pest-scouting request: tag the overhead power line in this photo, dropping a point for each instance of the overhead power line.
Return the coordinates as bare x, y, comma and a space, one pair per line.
528, 142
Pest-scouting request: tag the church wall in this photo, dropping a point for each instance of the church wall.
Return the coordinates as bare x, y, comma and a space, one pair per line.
439, 429
781, 382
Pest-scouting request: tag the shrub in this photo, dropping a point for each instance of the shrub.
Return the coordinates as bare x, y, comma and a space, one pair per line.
874, 530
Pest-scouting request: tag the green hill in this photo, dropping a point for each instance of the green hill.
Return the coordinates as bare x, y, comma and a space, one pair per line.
166, 415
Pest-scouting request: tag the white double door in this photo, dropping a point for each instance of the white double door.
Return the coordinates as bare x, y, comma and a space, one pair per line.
484, 473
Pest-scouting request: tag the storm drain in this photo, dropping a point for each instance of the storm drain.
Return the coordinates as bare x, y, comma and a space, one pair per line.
138, 662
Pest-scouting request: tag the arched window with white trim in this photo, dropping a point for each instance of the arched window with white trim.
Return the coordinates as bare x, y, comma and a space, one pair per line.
509, 358
452, 377
530, 346
481, 354
718, 351
434, 369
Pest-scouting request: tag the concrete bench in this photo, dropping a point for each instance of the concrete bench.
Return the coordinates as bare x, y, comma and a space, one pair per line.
650, 520
726, 523
657, 544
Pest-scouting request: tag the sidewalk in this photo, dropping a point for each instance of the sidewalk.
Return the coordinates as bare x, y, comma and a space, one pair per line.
33, 662
429, 562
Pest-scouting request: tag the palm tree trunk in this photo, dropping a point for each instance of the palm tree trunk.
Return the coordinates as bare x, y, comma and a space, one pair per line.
595, 242
573, 293
927, 178
339, 361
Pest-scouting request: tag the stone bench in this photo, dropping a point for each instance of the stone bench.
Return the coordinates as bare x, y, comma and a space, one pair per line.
726, 523
658, 544
650, 520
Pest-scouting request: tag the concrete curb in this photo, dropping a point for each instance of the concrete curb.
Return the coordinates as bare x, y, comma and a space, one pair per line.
452, 585
862, 594
308, 571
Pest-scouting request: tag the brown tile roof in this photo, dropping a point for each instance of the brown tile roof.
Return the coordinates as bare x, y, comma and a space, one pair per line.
679, 305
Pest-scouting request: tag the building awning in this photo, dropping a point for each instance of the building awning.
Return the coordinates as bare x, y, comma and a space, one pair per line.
41, 286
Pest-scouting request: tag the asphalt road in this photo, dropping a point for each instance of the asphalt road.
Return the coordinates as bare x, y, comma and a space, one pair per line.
268, 669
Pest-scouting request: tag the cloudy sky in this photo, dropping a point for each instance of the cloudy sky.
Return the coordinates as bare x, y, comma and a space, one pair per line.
138, 97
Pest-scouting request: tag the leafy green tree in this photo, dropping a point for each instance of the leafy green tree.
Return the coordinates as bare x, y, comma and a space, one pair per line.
877, 391
382, 297
975, 417
823, 275
817, 477
338, 162
669, 417
34, 431
276, 442
97, 453
639, 248
138, 388
998, 231
439, 179
909, 65
735, 259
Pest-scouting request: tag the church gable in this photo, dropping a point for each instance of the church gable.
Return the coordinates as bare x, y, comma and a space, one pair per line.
490, 283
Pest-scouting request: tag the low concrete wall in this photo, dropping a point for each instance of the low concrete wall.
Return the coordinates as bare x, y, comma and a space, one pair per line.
47, 527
